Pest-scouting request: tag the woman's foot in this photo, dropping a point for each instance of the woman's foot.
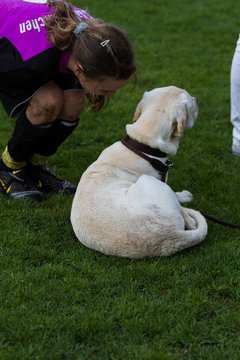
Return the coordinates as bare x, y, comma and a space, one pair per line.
47, 181
17, 185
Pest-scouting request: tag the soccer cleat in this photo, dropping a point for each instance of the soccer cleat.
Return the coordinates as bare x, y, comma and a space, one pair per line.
17, 185
47, 181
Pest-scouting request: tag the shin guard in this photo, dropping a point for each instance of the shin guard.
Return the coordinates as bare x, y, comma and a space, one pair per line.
61, 129
25, 138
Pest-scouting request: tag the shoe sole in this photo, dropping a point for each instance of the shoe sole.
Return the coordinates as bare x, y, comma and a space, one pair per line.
66, 189
28, 195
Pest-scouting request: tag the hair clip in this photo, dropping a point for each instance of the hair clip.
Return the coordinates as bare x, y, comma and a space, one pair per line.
104, 43
80, 28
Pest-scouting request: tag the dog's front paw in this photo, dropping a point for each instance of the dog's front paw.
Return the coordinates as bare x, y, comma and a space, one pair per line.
184, 196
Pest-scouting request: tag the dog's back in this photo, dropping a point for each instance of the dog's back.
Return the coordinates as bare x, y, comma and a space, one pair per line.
121, 207
119, 213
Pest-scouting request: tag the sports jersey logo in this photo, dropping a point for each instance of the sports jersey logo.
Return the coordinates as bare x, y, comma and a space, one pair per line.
31, 24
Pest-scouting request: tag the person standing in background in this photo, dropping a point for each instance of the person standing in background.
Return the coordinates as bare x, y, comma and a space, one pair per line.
235, 99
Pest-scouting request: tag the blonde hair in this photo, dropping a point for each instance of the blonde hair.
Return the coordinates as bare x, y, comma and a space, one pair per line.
115, 59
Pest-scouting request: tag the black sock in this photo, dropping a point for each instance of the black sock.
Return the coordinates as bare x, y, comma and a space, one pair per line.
25, 137
60, 131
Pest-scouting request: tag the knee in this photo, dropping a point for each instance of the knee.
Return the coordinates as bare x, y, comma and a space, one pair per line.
73, 105
45, 107
52, 104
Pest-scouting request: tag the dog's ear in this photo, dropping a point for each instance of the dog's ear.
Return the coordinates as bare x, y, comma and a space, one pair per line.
139, 108
180, 120
138, 111
178, 129
137, 115
192, 113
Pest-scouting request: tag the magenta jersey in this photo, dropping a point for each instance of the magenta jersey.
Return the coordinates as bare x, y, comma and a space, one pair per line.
22, 23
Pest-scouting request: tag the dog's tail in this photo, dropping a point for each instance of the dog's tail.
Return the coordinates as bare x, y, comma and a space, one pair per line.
190, 236
198, 221
169, 240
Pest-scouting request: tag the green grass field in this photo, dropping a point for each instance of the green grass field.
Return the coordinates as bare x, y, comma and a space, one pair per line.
62, 301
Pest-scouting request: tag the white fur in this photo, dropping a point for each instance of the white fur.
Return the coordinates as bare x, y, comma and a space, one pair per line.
121, 207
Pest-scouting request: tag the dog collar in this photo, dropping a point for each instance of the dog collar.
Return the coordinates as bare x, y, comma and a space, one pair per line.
144, 150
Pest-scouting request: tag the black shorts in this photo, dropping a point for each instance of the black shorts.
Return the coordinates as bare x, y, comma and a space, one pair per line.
19, 80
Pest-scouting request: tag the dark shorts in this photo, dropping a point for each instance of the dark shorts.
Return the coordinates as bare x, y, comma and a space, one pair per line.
19, 79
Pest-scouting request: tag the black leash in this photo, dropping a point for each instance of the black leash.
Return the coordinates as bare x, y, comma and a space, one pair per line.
220, 222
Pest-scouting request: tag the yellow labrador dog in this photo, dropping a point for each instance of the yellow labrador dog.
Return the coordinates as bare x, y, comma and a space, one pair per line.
121, 206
